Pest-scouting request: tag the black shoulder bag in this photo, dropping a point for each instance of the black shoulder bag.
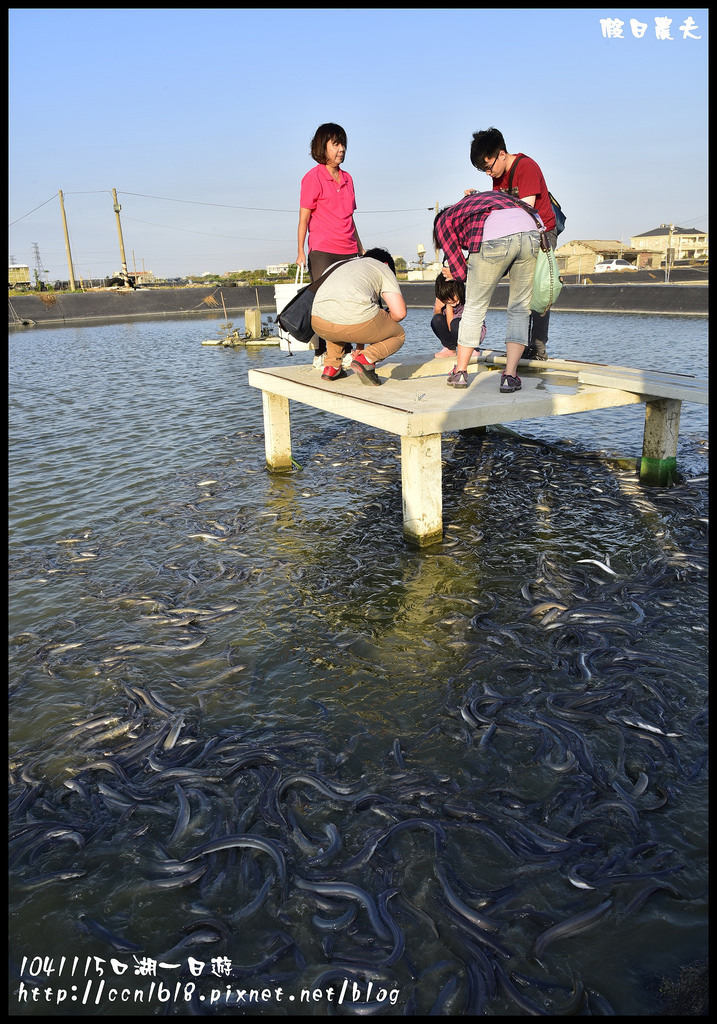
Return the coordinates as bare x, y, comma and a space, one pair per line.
295, 317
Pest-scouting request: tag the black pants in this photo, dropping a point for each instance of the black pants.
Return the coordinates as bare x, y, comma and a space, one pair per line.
448, 336
537, 336
318, 263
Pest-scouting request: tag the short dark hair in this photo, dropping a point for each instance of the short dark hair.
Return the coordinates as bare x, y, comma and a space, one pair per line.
485, 146
383, 256
450, 290
324, 134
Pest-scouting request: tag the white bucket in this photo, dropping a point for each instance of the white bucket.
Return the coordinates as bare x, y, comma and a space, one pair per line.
282, 294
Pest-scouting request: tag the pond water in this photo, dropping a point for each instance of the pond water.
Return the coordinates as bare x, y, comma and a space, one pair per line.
250, 728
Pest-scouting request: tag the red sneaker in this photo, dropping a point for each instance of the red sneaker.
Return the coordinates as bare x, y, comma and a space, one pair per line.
333, 373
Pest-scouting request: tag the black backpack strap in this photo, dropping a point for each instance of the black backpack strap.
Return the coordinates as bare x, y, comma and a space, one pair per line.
544, 244
315, 285
512, 172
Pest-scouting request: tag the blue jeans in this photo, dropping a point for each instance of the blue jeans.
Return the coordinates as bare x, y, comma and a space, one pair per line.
514, 253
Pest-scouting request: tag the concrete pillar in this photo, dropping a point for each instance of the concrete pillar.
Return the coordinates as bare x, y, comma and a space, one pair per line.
252, 322
421, 482
277, 432
658, 466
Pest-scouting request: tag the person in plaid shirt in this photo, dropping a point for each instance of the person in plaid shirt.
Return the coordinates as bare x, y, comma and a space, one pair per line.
501, 234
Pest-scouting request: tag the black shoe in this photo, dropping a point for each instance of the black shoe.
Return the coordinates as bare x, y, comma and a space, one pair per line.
365, 371
538, 347
508, 384
457, 378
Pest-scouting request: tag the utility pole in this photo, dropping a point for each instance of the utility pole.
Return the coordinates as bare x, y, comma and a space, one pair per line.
668, 253
117, 208
73, 286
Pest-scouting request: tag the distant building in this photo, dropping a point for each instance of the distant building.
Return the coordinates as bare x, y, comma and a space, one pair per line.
278, 269
137, 277
18, 274
429, 272
685, 243
646, 251
581, 257
143, 277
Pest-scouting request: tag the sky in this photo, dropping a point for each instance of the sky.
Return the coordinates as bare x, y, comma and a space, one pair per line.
202, 120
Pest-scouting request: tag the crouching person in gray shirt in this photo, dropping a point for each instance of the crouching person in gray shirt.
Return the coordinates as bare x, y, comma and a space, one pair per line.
360, 305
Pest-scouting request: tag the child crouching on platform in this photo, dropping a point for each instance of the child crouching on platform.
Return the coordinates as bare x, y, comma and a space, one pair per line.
447, 312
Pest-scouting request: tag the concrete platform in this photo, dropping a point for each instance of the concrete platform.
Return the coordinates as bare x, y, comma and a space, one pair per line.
415, 403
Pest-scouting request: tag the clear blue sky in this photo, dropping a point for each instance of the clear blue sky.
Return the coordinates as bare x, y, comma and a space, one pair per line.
202, 119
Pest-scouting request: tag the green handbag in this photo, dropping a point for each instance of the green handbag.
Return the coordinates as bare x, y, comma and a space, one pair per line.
546, 280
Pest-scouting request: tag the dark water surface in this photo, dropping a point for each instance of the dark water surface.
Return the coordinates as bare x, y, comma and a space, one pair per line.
251, 728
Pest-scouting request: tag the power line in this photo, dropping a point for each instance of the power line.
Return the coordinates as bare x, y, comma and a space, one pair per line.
191, 231
31, 211
256, 209
85, 193
227, 206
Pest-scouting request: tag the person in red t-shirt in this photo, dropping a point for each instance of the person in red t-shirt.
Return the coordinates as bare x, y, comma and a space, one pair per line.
326, 207
489, 154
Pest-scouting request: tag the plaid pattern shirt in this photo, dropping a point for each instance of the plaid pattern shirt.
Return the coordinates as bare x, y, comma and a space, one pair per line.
460, 226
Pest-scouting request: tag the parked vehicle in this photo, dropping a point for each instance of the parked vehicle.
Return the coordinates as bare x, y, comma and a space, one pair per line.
601, 268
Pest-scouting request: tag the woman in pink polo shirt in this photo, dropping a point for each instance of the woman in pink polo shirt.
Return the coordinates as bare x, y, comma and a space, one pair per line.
326, 207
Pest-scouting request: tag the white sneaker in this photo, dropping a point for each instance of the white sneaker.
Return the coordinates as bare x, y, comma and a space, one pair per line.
319, 362
346, 361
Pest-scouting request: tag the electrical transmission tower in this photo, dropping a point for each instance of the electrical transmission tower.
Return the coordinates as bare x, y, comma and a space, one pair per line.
39, 269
